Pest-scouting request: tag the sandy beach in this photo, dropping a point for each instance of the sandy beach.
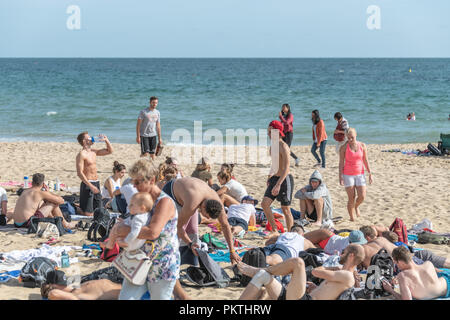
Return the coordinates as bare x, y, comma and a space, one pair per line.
405, 186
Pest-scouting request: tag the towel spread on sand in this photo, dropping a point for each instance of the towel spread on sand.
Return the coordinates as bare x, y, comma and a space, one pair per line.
6, 276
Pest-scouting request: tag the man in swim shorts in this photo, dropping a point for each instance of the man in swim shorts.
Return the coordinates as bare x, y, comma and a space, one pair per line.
420, 282
336, 281
34, 202
86, 161
332, 243
148, 129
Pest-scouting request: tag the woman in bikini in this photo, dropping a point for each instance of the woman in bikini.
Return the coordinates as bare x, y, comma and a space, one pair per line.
352, 160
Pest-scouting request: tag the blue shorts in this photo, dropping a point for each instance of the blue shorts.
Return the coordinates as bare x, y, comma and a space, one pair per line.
238, 222
446, 276
279, 249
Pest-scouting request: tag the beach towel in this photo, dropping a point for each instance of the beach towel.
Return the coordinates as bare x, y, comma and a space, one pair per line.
47, 251
6, 276
224, 256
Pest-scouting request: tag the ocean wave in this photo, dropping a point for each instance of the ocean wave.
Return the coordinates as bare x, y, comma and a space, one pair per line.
51, 113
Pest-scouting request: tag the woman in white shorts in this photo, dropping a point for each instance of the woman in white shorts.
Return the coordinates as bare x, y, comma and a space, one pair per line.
352, 160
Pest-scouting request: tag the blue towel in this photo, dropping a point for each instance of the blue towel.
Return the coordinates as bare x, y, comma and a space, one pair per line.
6, 276
222, 256
93, 246
412, 237
295, 213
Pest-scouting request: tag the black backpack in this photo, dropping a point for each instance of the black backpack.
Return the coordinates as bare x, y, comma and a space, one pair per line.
101, 225
311, 262
210, 273
382, 263
34, 272
254, 257
433, 150
34, 222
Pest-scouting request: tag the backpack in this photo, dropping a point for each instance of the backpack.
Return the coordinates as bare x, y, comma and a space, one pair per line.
254, 257
433, 238
101, 225
311, 262
381, 265
433, 150
399, 228
34, 272
209, 273
109, 255
33, 225
212, 242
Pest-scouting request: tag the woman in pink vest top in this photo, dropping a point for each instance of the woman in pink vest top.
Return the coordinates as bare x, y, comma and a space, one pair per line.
352, 160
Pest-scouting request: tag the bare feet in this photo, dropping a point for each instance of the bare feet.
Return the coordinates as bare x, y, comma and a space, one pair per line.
358, 214
247, 270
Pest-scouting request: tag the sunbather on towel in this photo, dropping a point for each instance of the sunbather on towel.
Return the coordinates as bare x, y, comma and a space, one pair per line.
242, 215
336, 282
287, 245
382, 243
417, 281
332, 243
36, 202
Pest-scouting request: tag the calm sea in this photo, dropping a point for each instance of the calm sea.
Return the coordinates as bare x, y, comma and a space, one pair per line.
55, 99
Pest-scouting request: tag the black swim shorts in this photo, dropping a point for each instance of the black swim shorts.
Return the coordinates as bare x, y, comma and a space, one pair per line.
286, 190
148, 145
88, 200
282, 295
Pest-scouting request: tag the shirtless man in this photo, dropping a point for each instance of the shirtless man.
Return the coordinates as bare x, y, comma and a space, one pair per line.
280, 183
279, 248
90, 196
102, 289
34, 202
189, 195
336, 282
375, 244
417, 281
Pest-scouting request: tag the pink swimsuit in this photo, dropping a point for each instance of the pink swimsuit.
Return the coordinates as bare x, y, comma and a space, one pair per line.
354, 164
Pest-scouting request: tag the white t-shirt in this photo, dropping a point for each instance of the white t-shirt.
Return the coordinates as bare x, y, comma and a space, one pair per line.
115, 185
236, 190
293, 241
3, 196
337, 243
128, 190
243, 211
136, 222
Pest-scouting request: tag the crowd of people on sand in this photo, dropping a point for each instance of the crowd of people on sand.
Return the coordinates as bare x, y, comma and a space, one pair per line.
165, 208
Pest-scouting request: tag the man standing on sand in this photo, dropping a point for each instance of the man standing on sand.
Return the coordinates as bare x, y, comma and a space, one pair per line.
34, 202
420, 282
86, 161
280, 183
148, 129
336, 281
189, 195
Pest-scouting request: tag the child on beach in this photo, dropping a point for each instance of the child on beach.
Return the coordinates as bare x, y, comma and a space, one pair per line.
140, 205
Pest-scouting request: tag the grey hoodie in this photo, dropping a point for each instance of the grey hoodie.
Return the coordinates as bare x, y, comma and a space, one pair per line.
320, 192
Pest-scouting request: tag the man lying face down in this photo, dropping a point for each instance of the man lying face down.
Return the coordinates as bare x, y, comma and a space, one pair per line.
336, 282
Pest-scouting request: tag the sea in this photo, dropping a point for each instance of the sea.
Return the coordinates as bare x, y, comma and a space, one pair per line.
52, 99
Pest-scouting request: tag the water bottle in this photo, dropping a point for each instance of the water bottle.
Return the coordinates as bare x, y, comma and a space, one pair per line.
65, 261
57, 185
25, 182
98, 138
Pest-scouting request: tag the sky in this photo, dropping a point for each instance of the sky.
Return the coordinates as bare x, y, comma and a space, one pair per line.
224, 28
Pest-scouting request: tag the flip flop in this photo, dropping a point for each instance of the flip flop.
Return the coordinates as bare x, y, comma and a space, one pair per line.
337, 219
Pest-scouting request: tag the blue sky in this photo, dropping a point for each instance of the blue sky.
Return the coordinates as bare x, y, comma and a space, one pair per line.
226, 28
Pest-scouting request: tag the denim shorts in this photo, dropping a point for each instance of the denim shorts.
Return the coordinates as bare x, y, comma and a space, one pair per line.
159, 290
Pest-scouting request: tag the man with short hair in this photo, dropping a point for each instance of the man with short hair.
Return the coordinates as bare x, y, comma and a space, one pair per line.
34, 202
280, 183
279, 248
315, 200
340, 131
336, 282
417, 281
192, 194
86, 162
148, 129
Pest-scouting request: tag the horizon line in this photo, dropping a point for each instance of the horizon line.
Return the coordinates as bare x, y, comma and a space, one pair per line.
131, 57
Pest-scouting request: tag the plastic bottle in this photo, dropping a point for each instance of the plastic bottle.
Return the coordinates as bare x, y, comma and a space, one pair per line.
98, 138
65, 261
25, 182
57, 185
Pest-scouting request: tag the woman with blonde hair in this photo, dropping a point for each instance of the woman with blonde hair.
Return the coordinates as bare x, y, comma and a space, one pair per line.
352, 160
203, 171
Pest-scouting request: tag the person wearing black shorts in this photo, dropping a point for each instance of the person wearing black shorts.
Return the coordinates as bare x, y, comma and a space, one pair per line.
90, 201
148, 129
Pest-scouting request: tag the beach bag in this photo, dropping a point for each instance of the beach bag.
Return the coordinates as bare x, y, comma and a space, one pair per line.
399, 228
213, 243
47, 230
67, 210
385, 266
33, 225
433, 150
34, 272
433, 238
255, 257
109, 255
134, 265
101, 225
209, 273
279, 226
311, 262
